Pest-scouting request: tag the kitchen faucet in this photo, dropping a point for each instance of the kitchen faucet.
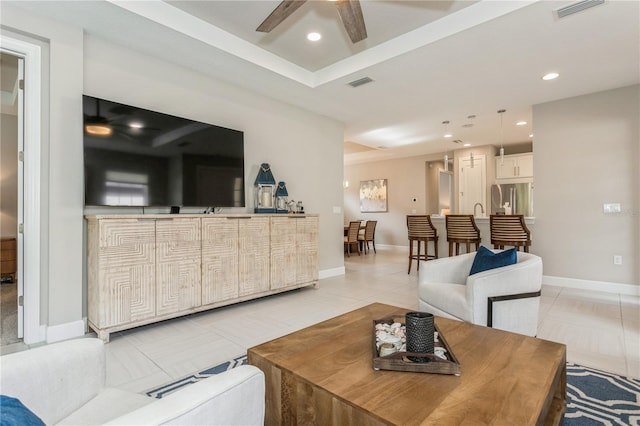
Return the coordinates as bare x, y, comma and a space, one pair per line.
481, 208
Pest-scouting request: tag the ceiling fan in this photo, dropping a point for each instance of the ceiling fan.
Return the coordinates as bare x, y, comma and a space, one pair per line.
349, 10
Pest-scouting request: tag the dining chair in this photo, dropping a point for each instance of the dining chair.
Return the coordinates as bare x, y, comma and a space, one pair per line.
368, 235
351, 238
462, 229
509, 230
421, 229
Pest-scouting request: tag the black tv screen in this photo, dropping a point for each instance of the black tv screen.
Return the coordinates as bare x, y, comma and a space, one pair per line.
137, 157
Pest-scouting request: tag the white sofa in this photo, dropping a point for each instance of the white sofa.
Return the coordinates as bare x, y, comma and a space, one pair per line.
64, 383
512, 292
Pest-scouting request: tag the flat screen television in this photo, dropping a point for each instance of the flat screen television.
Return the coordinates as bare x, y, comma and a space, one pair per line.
137, 157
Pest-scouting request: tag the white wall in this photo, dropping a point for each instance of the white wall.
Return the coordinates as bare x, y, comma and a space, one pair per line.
587, 154
61, 158
304, 149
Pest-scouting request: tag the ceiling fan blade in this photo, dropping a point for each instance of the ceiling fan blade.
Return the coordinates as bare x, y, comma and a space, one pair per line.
279, 14
352, 19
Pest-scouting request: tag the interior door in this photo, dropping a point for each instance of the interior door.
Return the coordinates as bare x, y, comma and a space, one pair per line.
473, 183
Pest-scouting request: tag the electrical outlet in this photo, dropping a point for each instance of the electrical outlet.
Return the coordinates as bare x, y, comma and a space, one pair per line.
617, 259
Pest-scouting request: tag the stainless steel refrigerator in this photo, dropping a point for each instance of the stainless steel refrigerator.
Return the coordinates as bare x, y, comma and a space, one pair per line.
516, 197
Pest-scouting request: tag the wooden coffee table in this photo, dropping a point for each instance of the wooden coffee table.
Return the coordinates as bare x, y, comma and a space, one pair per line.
323, 375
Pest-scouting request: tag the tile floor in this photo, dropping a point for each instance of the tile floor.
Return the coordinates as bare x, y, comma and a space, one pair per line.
600, 330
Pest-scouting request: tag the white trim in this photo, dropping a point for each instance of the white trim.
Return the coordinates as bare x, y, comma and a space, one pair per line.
606, 287
31, 53
69, 330
333, 272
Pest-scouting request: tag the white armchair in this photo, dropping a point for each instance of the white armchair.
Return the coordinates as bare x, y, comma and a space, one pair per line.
507, 298
64, 383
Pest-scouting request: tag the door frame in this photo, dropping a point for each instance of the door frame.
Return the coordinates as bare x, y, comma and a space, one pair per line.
29, 241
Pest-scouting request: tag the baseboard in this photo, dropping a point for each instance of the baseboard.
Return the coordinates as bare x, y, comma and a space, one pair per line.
333, 272
69, 330
607, 287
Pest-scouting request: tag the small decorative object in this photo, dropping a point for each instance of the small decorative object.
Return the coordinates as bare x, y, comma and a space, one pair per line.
292, 206
281, 198
373, 196
265, 190
390, 350
420, 337
387, 349
300, 207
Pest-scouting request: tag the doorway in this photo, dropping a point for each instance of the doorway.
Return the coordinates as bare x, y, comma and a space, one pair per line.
11, 326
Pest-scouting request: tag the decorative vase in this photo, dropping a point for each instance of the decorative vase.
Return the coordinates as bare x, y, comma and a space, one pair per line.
420, 330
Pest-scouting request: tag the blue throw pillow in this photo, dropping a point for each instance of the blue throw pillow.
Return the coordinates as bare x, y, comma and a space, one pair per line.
14, 413
486, 259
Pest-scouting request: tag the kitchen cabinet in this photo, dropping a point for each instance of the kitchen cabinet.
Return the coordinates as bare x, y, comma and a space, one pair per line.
143, 269
515, 166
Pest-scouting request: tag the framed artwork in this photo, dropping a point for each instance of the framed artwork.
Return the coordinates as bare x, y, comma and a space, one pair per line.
373, 196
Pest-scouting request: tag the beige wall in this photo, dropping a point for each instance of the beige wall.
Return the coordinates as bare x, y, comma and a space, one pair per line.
406, 180
587, 154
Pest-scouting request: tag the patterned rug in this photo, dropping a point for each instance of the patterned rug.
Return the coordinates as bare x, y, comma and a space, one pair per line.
594, 397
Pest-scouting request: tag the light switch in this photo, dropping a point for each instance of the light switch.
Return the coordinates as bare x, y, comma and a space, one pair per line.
612, 208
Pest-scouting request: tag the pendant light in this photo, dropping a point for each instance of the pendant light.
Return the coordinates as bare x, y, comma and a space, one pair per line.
446, 135
501, 111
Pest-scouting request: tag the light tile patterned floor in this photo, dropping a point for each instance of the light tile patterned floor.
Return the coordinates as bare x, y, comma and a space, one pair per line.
601, 330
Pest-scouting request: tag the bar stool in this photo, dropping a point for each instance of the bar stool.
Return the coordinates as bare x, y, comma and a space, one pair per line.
509, 230
421, 229
462, 229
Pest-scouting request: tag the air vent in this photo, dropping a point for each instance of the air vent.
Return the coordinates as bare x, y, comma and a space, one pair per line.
360, 82
457, 141
577, 7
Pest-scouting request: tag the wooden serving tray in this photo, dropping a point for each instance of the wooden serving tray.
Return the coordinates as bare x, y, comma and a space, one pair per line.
399, 361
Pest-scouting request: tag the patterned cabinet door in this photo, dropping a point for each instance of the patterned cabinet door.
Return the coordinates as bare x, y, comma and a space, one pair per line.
283, 252
219, 259
253, 255
126, 272
307, 249
178, 260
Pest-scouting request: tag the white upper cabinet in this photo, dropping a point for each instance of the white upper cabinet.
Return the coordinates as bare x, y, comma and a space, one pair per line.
515, 166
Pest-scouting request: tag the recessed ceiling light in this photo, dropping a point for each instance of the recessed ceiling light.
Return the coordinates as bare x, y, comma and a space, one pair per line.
467, 144
521, 123
550, 76
531, 135
136, 125
314, 36
448, 135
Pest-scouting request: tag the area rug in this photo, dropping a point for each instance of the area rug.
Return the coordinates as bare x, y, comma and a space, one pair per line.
594, 397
